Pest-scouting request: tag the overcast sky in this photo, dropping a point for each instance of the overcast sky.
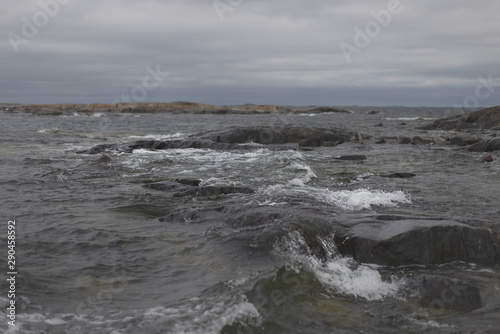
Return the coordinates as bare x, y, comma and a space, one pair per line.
323, 52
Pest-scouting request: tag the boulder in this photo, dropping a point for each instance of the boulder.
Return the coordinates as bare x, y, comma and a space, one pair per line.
406, 241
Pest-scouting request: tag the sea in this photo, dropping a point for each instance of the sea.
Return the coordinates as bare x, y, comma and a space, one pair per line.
97, 252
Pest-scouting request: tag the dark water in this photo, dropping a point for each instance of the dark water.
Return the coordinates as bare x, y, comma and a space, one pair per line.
94, 257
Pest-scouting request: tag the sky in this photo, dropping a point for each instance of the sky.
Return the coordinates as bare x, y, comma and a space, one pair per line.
312, 52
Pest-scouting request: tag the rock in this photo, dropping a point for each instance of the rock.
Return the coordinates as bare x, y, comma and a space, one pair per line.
310, 142
192, 188
464, 140
399, 175
406, 241
280, 135
380, 141
489, 145
358, 157
104, 159
482, 119
404, 140
422, 141
487, 158
379, 125
327, 109
437, 292
373, 112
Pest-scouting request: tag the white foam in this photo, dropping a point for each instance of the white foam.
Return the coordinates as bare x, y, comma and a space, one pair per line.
341, 275
203, 316
360, 199
157, 136
309, 174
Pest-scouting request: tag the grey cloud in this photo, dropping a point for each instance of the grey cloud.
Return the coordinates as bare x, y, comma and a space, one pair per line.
281, 52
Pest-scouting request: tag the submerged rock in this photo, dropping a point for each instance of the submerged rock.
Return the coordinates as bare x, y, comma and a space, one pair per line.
357, 157
399, 175
192, 188
438, 293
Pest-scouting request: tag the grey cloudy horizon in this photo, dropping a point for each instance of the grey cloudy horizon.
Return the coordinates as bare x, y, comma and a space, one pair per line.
425, 53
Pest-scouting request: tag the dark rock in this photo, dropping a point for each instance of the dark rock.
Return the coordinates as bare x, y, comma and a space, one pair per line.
422, 141
373, 112
404, 140
191, 187
482, 119
380, 141
399, 175
464, 140
421, 242
403, 123
352, 157
310, 142
104, 159
485, 146
328, 109
487, 158
379, 125
437, 292
280, 135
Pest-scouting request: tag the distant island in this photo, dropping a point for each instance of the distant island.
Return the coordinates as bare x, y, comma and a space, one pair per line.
174, 107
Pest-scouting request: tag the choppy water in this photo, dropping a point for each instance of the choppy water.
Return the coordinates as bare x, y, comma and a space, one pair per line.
93, 255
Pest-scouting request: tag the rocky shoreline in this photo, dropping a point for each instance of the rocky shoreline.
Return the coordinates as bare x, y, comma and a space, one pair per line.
173, 108
388, 240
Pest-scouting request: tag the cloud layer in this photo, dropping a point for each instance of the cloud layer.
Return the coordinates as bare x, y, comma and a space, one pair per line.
252, 51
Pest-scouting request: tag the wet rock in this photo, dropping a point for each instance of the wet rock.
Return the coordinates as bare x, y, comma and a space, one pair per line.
464, 140
438, 293
380, 141
487, 158
399, 175
422, 140
305, 136
373, 112
482, 119
104, 159
401, 242
379, 125
160, 145
489, 145
404, 140
357, 157
192, 188
310, 142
